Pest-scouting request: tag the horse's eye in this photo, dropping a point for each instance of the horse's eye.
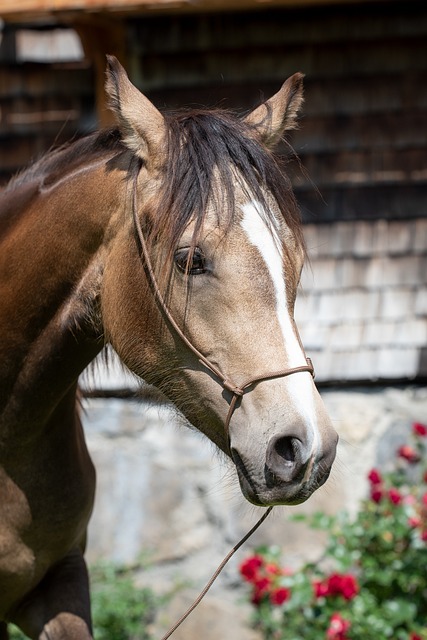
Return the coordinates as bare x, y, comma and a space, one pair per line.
191, 263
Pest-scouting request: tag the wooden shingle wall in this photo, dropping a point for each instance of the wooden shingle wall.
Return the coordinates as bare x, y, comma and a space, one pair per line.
362, 176
363, 135
41, 105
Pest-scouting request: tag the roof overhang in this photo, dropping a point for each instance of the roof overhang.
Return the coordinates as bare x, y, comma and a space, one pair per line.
36, 10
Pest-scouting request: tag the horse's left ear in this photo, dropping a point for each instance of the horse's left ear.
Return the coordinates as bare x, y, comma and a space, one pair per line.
279, 114
142, 125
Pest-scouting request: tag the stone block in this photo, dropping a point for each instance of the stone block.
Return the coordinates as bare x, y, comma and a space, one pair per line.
397, 303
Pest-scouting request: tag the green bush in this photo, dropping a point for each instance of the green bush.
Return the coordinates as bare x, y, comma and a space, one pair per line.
121, 610
372, 581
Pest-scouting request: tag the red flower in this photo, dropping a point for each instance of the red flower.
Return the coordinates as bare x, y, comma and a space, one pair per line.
424, 500
415, 636
374, 477
419, 429
250, 567
261, 587
376, 495
424, 535
338, 627
408, 453
321, 589
337, 584
395, 496
279, 596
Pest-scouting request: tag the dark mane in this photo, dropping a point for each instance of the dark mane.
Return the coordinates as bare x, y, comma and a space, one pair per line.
207, 148
68, 157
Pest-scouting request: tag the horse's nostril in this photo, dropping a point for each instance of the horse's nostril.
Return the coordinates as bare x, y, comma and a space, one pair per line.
285, 448
285, 460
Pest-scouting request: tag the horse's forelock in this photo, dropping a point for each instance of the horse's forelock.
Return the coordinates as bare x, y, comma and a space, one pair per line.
211, 149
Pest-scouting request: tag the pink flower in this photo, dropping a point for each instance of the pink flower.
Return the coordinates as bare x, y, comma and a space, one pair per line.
338, 627
374, 477
408, 453
395, 496
273, 569
250, 567
279, 596
419, 429
414, 522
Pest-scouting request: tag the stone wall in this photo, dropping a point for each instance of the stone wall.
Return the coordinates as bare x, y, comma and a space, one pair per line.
165, 495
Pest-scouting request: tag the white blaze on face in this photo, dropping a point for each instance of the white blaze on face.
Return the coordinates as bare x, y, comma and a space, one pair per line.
267, 241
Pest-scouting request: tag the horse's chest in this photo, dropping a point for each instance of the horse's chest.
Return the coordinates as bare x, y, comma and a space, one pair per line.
45, 505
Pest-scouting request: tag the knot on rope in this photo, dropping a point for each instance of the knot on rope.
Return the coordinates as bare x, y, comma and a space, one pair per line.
230, 386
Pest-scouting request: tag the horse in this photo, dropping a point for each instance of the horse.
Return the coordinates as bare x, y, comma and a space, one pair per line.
176, 239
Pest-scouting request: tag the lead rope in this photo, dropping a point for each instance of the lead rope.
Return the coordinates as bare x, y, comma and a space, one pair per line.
236, 391
216, 574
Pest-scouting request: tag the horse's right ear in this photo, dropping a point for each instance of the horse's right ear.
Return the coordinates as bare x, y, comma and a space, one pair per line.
142, 125
279, 114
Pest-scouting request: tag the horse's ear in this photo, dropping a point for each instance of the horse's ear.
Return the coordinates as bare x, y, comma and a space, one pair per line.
142, 125
279, 114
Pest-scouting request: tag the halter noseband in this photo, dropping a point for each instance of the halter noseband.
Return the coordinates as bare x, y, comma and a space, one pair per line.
237, 391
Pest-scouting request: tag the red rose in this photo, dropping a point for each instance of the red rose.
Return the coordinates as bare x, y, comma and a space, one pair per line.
261, 586
250, 567
321, 589
419, 429
415, 636
395, 496
349, 587
279, 596
338, 627
374, 477
376, 495
408, 453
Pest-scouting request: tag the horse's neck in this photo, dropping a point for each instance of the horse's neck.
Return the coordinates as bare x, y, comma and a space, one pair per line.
50, 271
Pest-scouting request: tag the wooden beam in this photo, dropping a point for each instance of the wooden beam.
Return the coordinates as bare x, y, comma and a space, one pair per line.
101, 35
27, 10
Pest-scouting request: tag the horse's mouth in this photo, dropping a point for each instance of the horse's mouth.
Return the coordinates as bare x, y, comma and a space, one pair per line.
263, 493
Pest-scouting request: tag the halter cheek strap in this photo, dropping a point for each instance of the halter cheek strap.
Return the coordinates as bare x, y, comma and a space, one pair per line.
237, 391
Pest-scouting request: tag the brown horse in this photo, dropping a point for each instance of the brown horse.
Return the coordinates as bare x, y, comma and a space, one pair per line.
204, 305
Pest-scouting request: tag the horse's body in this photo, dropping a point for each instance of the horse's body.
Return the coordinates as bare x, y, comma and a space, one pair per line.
226, 247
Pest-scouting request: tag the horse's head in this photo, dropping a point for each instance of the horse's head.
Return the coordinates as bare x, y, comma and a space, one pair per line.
226, 247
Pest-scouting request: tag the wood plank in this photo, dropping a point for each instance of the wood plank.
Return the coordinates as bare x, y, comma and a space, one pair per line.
34, 9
